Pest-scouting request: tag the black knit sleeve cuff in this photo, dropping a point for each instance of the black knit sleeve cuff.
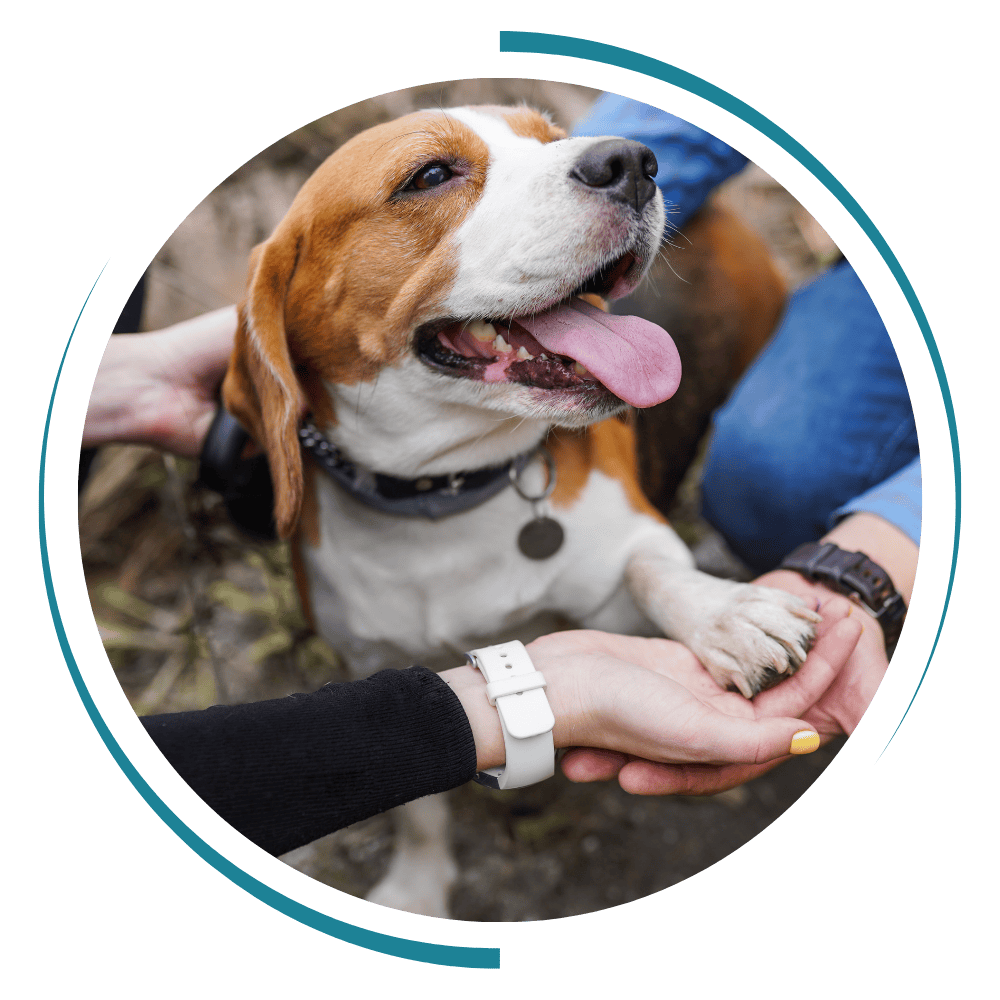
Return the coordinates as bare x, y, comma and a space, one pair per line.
288, 771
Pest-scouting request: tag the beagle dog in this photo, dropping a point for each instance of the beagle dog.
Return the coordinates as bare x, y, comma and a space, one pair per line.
429, 305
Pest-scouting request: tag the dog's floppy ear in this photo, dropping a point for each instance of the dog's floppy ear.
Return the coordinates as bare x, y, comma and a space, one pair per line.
261, 389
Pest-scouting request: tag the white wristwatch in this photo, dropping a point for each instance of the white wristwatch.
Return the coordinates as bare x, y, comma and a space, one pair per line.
517, 691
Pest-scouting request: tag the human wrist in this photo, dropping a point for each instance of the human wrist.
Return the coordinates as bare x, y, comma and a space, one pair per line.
116, 411
868, 559
561, 689
470, 689
883, 543
159, 388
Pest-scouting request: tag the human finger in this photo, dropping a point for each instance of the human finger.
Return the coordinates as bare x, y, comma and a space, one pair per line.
833, 609
645, 777
826, 659
718, 738
842, 705
583, 764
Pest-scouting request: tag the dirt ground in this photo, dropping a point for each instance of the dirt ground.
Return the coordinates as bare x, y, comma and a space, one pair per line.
192, 613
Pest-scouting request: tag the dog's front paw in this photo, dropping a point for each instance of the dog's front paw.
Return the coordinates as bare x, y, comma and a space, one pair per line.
757, 637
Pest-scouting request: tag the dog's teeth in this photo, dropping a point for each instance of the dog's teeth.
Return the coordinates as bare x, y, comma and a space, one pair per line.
501, 345
524, 355
543, 356
580, 370
483, 332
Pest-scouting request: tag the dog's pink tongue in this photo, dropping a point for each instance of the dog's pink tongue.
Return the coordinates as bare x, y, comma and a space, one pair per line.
634, 358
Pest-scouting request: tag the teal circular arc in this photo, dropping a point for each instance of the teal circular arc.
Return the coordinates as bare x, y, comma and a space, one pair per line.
447, 955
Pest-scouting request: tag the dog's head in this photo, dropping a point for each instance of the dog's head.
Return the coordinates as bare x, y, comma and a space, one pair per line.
452, 248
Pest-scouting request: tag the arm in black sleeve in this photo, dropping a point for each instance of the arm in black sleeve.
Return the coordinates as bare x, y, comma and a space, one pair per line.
288, 771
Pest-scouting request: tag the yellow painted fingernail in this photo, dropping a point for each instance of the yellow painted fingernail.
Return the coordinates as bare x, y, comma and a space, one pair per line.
804, 742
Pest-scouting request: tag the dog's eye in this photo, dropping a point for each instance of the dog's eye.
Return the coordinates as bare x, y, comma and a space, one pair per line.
428, 177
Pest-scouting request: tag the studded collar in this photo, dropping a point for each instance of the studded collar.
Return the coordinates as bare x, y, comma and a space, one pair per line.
432, 497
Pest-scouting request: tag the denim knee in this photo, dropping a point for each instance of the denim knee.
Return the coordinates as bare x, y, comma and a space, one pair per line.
822, 416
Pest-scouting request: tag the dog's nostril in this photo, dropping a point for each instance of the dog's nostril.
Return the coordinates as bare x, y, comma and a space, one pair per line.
649, 165
600, 166
598, 171
620, 168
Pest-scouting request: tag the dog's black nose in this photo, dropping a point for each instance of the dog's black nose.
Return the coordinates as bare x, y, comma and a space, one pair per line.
620, 168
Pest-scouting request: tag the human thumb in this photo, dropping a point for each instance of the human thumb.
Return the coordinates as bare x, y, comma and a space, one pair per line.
756, 741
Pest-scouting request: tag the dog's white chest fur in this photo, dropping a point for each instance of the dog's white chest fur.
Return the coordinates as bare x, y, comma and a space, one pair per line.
390, 591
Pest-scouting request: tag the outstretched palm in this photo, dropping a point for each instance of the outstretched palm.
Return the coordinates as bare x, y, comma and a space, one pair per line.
812, 694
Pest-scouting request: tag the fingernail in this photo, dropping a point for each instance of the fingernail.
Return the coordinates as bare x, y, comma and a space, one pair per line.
804, 742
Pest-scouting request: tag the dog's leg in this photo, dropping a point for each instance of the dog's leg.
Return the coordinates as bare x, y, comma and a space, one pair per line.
422, 870
745, 635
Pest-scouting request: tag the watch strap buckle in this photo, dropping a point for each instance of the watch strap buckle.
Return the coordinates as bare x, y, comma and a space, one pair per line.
517, 684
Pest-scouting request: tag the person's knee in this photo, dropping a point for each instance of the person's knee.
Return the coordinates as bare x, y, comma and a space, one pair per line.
762, 487
821, 416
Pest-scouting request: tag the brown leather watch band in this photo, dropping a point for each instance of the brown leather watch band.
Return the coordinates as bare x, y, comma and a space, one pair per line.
857, 577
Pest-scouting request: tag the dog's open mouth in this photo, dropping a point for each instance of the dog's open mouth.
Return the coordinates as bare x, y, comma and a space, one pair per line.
571, 346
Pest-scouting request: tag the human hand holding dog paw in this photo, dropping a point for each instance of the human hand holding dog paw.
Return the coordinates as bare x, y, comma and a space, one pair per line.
628, 698
838, 635
839, 709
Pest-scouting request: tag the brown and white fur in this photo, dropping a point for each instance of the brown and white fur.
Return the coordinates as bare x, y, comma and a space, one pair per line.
341, 302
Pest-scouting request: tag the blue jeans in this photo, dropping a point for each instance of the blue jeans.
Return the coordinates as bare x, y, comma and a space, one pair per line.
819, 426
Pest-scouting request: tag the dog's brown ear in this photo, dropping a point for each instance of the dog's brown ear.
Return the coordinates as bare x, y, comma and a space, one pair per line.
261, 389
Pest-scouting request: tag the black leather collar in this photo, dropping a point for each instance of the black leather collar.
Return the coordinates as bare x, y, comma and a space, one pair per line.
432, 497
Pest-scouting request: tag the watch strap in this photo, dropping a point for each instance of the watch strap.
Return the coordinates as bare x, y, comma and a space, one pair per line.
517, 690
857, 577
